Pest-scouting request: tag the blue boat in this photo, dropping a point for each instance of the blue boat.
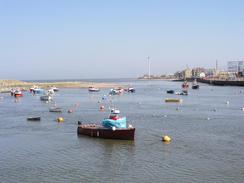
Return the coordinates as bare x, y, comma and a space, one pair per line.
38, 91
114, 121
117, 123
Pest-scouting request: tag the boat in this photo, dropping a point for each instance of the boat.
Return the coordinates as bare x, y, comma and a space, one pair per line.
18, 93
184, 92
174, 100
195, 85
185, 85
54, 88
37, 91
12, 92
170, 91
51, 91
99, 131
116, 91
55, 109
131, 90
93, 89
112, 127
34, 118
45, 98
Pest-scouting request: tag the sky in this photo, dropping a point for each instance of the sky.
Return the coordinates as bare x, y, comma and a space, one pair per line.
65, 39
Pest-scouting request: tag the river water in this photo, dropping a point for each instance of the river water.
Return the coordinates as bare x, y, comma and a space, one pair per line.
207, 137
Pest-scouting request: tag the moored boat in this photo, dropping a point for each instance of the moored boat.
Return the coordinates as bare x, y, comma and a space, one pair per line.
93, 89
55, 89
34, 118
112, 127
175, 100
195, 85
170, 91
185, 85
12, 92
131, 90
99, 131
18, 93
45, 98
37, 90
55, 109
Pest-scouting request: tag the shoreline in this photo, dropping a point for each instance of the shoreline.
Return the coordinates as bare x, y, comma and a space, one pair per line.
7, 85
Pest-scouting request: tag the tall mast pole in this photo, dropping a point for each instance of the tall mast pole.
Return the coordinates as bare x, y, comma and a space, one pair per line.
149, 68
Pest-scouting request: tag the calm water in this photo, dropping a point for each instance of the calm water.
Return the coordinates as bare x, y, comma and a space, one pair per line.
202, 149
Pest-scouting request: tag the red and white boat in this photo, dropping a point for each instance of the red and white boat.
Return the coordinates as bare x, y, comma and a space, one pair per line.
185, 85
18, 93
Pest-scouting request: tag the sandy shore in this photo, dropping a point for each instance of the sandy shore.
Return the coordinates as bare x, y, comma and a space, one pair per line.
7, 85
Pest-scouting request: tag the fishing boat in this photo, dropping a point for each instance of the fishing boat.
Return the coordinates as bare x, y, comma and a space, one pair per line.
93, 89
45, 98
18, 93
195, 85
34, 118
55, 109
112, 127
174, 100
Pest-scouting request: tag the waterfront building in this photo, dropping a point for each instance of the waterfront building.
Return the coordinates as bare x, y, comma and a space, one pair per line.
187, 73
197, 71
236, 67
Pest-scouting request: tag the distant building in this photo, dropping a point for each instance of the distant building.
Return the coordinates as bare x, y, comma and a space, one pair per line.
223, 75
236, 67
187, 73
197, 71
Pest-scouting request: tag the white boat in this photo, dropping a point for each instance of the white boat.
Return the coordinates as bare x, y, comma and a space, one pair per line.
54, 88
55, 109
50, 91
93, 89
45, 98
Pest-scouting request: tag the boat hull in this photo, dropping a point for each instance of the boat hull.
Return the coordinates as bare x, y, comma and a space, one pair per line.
106, 133
173, 100
18, 95
195, 87
34, 119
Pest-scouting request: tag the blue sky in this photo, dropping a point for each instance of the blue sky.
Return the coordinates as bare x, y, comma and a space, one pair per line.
57, 39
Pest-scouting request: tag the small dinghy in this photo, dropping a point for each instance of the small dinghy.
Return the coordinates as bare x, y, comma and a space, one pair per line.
34, 118
55, 109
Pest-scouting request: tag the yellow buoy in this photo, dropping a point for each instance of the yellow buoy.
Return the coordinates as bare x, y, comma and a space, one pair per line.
166, 138
60, 119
